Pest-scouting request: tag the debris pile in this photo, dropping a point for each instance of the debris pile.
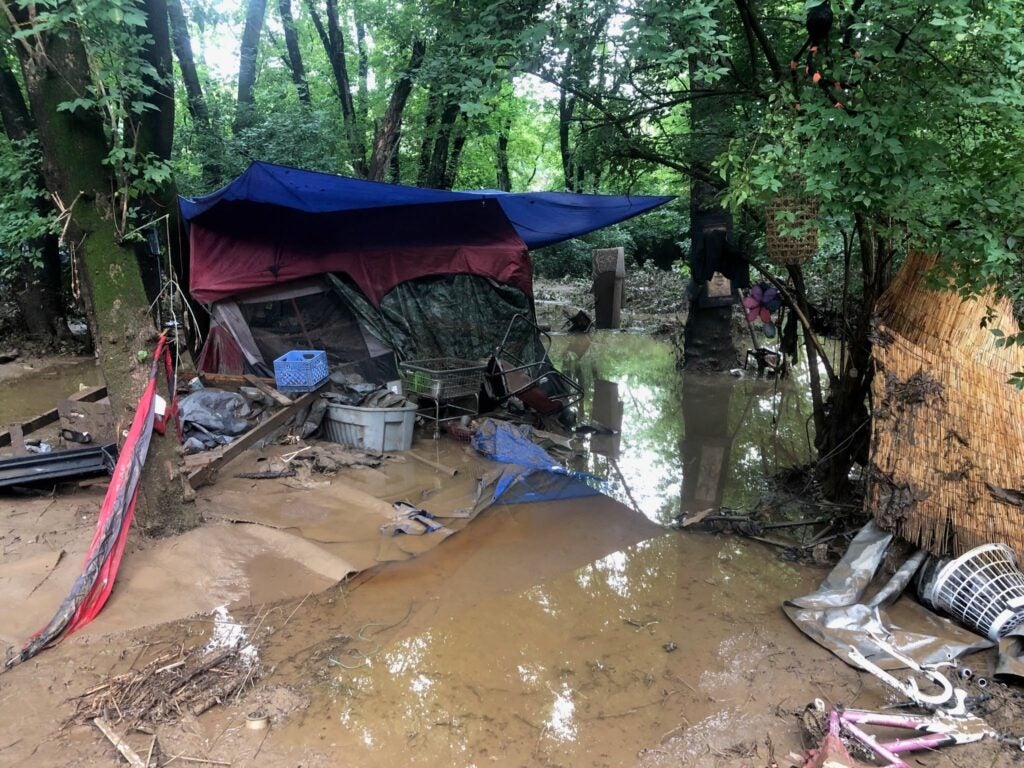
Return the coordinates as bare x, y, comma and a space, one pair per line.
170, 686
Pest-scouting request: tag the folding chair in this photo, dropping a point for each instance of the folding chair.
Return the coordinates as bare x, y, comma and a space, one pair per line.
512, 371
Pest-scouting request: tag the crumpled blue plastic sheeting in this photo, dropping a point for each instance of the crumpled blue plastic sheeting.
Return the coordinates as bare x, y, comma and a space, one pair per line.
511, 444
534, 474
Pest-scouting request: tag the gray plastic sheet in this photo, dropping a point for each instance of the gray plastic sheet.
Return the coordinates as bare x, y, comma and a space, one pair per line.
211, 417
857, 601
1010, 667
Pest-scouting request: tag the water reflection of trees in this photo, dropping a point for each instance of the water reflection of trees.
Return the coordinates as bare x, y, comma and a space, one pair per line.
740, 430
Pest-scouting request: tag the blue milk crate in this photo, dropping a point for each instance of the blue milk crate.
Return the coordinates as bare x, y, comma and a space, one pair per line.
300, 370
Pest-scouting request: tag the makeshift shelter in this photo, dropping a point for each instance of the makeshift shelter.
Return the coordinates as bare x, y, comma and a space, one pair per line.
947, 459
423, 272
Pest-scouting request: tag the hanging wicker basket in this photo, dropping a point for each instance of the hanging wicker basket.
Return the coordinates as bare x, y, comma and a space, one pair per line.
783, 248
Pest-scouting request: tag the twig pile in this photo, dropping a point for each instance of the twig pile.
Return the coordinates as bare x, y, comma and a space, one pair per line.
170, 686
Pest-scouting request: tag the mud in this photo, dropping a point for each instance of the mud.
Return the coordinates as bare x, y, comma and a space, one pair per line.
598, 666
577, 632
654, 301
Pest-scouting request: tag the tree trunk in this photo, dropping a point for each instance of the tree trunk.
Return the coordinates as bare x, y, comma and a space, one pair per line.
566, 107
429, 134
156, 126
451, 167
504, 177
195, 101
255, 11
336, 52
395, 169
74, 147
335, 44
385, 142
13, 111
291, 41
437, 169
844, 436
183, 51
39, 299
363, 102
707, 339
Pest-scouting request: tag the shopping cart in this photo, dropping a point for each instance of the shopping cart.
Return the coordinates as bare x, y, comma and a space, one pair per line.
444, 384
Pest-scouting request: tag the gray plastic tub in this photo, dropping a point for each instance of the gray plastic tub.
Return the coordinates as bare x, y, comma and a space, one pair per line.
373, 429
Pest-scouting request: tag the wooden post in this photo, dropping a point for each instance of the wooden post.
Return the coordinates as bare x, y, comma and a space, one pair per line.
609, 273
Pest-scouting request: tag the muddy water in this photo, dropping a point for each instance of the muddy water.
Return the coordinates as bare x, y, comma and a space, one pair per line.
643, 647
684, 442
30, 391
672, 646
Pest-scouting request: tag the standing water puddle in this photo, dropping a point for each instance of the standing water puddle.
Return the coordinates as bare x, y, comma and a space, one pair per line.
686, 442
669, 648
588, 668
576, 633
28, 393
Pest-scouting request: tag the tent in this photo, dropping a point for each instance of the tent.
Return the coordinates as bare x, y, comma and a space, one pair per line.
289, 258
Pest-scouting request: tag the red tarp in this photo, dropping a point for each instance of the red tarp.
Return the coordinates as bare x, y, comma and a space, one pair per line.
378, 248
93, 586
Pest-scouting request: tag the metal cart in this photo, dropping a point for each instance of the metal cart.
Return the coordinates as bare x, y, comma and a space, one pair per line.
440, 384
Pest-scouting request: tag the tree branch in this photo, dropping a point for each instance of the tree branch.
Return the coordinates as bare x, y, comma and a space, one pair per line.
750, 20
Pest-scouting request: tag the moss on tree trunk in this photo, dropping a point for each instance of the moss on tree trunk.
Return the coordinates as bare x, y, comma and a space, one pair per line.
74, 149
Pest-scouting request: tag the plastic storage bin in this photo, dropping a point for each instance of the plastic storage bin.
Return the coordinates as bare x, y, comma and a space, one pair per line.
301, 370
372, 429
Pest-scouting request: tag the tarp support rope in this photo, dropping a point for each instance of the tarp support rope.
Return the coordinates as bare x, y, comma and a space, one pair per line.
94, 585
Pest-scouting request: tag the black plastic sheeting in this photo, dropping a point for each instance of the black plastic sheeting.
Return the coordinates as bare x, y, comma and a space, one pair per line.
210, 417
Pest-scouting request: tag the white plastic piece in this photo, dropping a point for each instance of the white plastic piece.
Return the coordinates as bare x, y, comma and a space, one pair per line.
983, 589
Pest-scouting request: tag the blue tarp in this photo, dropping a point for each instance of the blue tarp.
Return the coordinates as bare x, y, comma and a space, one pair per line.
539, 218
532, 475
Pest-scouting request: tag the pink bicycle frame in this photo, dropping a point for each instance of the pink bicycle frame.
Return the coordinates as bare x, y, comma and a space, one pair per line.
942, 731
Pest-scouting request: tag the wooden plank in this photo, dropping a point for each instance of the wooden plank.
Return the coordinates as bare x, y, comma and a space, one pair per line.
18, 440
119, 744
231, 380
194, 460
90, 395
223, 455
451, 472
268, 390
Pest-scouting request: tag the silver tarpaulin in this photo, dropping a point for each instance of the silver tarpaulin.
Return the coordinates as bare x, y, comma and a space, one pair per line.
857, 601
